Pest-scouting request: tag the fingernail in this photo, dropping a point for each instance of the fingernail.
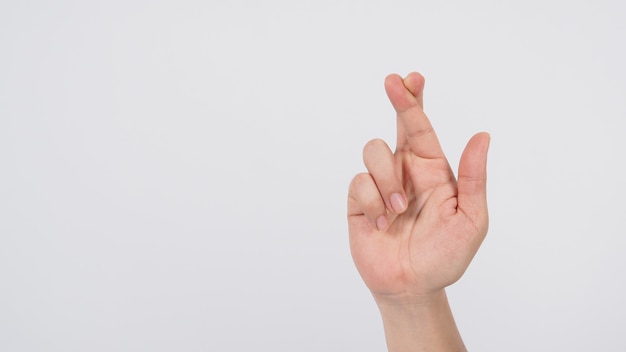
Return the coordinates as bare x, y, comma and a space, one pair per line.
397, 202
381, 223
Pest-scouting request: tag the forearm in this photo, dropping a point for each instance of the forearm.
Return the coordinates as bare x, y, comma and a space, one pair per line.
427, 325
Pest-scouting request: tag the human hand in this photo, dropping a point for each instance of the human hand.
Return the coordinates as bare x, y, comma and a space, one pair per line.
414, 228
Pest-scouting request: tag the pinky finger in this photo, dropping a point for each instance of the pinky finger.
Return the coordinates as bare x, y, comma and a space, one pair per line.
364, 199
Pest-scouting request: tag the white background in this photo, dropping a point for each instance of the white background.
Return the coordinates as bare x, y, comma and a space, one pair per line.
173, 175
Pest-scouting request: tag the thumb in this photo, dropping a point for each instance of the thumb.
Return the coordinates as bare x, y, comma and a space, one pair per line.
472, 181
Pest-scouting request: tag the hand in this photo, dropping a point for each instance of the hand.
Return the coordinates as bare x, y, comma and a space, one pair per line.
414, 228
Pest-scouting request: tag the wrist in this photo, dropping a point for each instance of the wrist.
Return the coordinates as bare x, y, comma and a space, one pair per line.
410, 301
424, 322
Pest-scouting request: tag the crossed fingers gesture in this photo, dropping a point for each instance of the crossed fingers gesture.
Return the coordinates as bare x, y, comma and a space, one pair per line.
414, 227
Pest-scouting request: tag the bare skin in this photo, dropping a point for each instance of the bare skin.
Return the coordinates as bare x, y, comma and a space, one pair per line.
414, 227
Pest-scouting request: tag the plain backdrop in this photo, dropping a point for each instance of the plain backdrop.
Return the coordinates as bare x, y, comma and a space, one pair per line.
173, 174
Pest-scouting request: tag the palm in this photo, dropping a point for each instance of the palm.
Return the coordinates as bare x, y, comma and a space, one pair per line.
427, 246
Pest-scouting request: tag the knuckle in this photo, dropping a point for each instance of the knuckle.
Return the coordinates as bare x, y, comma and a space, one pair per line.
373, 145
420, 132
359, 180
364, 191
373, 207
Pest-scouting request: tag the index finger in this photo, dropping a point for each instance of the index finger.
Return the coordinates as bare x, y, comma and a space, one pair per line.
415, 131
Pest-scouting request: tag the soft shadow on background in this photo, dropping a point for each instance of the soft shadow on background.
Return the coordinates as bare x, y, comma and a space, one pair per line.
173, 174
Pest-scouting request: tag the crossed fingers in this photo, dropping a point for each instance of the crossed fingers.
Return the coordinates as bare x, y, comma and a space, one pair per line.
379, 194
